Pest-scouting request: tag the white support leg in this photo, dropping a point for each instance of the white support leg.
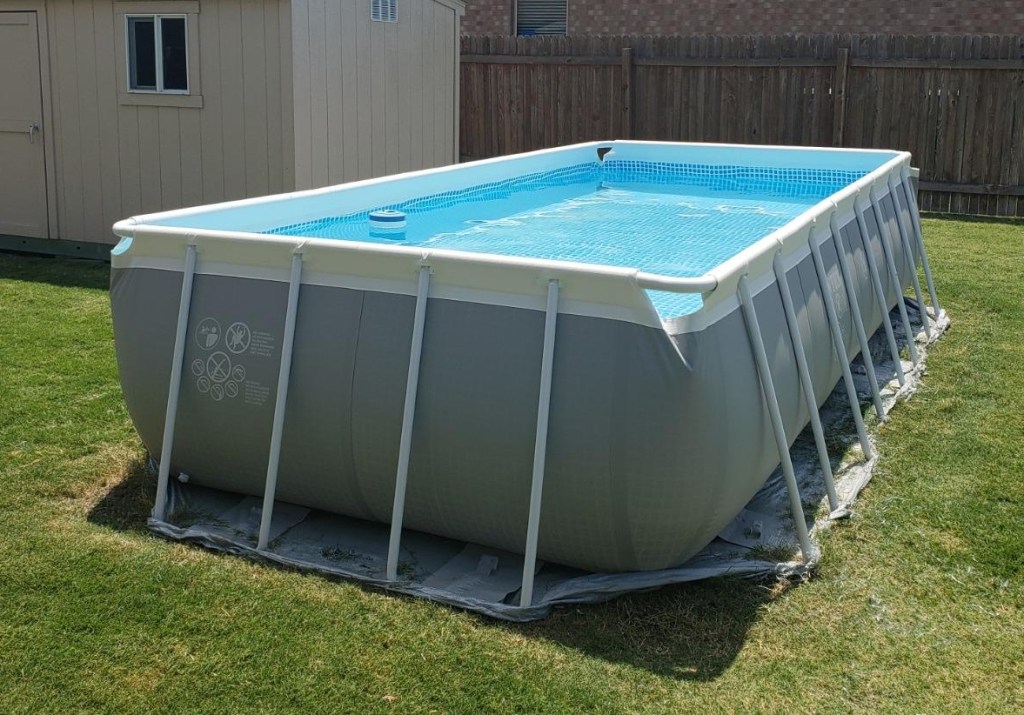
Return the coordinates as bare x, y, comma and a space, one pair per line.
908, 251
858, 321
540, 446
174, 384
839, 343
805, 381
915, 219
408, 415
770, 398
876, 282
890, 263
283, 376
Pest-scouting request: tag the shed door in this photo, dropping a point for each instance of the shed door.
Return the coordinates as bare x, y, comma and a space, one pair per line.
22, 160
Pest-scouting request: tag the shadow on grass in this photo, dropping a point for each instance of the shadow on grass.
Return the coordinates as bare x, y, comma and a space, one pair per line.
691, 631
127, 505
64, 272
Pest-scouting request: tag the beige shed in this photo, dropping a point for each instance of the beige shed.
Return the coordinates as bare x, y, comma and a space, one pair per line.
112, 108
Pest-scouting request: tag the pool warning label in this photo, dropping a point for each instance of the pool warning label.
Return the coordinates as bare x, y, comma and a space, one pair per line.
262, 344
221, 372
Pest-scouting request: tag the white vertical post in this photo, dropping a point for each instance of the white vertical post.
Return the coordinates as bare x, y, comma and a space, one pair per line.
840, 345
174, 383
908, 252
858, 322
408, 415
876, 282
890, 262
770, 398
283, 376
915, 220
540, 445
805, 380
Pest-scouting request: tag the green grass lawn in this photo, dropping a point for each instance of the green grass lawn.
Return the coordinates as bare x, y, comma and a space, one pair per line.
917, 607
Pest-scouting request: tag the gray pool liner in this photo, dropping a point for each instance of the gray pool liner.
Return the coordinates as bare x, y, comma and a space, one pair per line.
758, 542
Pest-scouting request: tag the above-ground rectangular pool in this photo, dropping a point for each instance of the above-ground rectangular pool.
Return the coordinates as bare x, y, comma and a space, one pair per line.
592, 355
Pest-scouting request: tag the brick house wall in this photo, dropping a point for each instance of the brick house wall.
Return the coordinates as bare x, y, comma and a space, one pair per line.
488, 17
750, 17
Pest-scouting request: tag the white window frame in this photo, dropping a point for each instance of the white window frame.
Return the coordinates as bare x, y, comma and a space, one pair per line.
158, 42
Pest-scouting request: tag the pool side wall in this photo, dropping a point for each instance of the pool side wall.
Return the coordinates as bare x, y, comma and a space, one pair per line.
656, 441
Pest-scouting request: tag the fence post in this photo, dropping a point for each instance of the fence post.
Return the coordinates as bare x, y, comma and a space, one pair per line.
627, 92
839, 96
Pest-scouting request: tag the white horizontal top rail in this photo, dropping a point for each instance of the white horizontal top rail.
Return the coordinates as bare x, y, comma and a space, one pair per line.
652, 281
257, 214
157, 241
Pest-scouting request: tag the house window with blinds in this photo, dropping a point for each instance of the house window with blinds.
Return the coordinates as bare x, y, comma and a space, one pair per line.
541, 17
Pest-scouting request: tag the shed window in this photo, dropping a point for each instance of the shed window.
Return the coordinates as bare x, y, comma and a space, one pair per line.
384, 10
541, 17
157, 54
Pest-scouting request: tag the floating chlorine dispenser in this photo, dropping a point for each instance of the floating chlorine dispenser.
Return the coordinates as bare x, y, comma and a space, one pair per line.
387, 223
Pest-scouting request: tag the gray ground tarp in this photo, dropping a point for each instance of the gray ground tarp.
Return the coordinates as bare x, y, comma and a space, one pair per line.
487, 580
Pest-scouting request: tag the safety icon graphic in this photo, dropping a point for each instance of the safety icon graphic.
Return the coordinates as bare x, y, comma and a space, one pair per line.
218, 367
208, 333
216, 376
238, 337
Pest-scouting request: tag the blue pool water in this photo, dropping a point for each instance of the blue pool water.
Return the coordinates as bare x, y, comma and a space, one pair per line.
675, 220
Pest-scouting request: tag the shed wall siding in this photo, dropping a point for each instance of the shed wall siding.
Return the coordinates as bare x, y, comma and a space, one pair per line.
116, 159
373, 98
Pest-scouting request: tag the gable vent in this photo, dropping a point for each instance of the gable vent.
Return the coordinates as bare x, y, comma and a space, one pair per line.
541, 17
384, 10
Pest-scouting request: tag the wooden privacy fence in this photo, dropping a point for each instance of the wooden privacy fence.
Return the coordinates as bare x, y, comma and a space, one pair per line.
955, 102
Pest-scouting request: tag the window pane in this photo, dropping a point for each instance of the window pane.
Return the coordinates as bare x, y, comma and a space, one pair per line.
175, 63
541, 17
384, 10
141, 53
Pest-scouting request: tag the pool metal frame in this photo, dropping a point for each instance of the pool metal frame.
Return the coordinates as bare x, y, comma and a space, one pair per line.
824, 227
